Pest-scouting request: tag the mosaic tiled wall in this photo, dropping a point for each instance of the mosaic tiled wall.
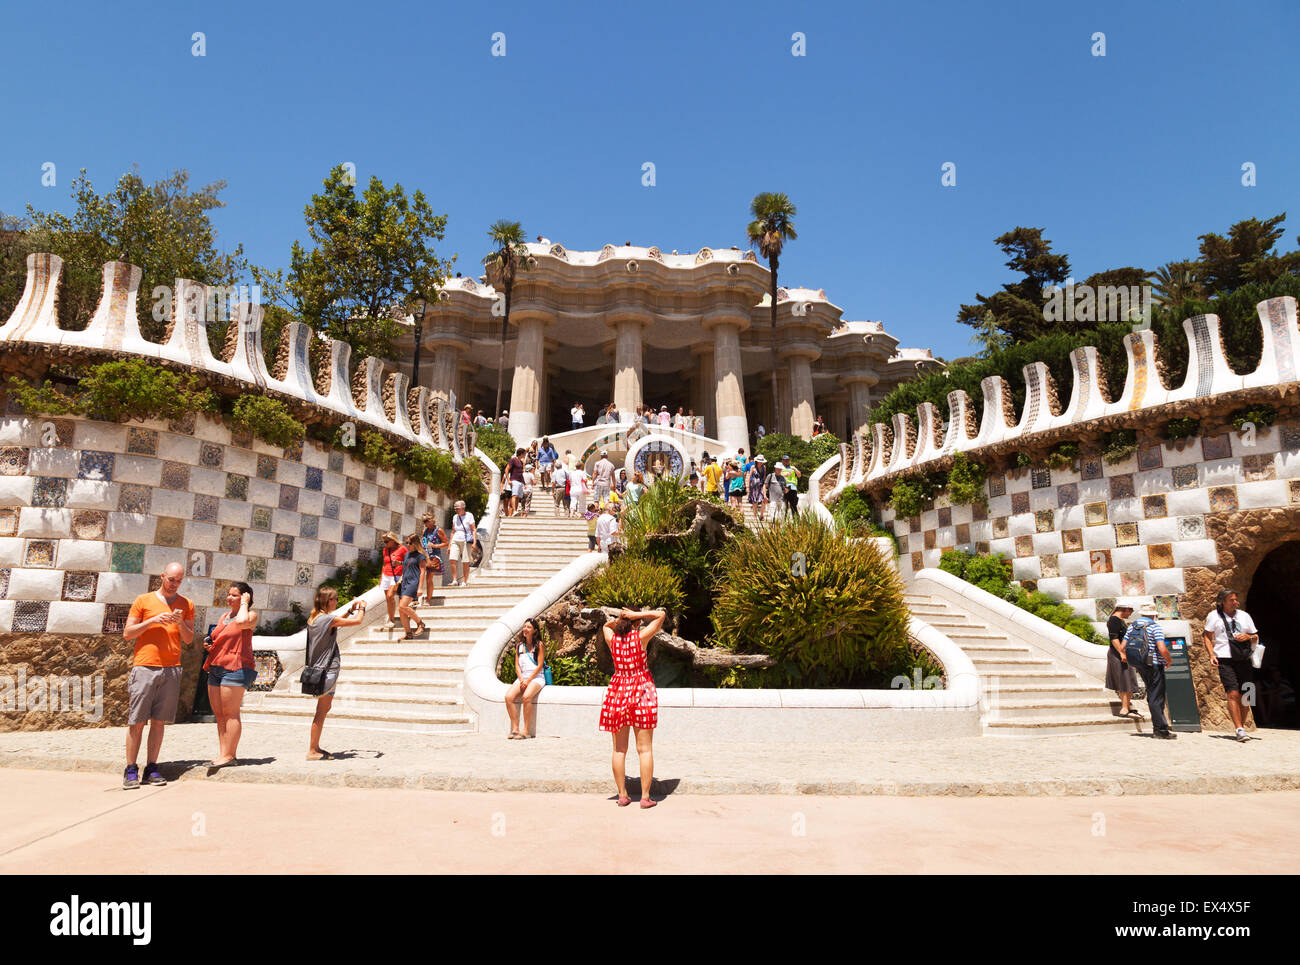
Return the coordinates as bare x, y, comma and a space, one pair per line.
1100, 532
88, 522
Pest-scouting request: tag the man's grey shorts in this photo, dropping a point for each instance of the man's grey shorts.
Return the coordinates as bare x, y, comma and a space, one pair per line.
152, 694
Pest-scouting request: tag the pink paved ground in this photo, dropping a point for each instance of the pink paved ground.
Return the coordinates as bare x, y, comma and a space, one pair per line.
56, 823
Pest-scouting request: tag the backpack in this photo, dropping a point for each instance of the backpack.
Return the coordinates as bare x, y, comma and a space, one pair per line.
1137, 643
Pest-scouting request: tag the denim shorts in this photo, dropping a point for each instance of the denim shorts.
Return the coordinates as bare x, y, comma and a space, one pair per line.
221, 677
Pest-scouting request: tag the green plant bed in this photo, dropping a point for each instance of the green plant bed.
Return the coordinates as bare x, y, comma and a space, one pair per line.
267, 418
497, 443
1119, 445
1176, 429
131, 389
1258, 415
805, 455
634, 582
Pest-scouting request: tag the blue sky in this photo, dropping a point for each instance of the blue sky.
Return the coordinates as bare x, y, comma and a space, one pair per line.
1123, 159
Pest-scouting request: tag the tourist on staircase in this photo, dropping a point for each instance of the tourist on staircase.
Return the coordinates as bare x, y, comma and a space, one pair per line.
393, 552
434, 543
757, 484
631, 699
578, 491
410, 588
323, 654
603, 477
530, 678
464, 538
546, 459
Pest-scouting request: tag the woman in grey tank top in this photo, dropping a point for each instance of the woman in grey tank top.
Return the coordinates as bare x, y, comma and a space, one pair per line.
323, 653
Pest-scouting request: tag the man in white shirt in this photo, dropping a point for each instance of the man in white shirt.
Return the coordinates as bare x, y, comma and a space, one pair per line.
464, 537
603, 474
1228, 626
557, 486
575, 414
606, 527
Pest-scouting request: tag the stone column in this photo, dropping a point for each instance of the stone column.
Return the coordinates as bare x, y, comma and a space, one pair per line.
525, 392
801, 395
444, 373
627, 366
859, 387
705, 379
781, 420
729, 398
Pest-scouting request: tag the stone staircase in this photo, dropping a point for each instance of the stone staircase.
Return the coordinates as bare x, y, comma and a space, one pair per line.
388, 683
1027, 693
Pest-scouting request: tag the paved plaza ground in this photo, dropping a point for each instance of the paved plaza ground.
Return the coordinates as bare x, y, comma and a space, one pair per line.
1116, 763
61, 823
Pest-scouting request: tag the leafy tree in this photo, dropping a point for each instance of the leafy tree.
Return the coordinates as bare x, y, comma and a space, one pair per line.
164, 228
502, 263
772, 227
1175, 283
1015, 314
1246, 255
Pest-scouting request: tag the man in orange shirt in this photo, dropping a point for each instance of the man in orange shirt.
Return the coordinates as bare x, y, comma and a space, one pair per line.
160, 623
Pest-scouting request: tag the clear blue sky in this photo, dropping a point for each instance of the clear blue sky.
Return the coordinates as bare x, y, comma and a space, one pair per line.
1123, 159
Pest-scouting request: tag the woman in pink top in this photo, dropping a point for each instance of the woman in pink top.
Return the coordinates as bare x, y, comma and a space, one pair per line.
230, 668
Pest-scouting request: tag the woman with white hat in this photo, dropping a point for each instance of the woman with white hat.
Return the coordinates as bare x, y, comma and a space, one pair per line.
1120, 677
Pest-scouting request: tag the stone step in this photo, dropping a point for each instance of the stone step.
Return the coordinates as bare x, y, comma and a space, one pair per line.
1017, 678
977, 651
408, 723
1057, 691
1059, 727
413, 648
994, 665
413, 661
406, 685
1034, 708
439, 703
402, 675
958, 621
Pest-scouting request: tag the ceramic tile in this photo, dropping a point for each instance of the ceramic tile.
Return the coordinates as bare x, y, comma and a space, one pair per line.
327, 553
308, 526
1132, 584
352, 489
243, 438
255, 570
303, 575
963, 533
40, 552
331, 507
1078, 587
384, 500
232, 539
999, 527
410, 505
1150, 457
30, 617
1105, 607
929, 537
335, 461
1216, 447
134, 498
13, 461
1019, 503
1067, 495
1191, 527
1126, 534
205, 509
1161, 556
1024, 546
349, 532
142, 441
371, 474
170, 532
1121, 487
945, 516
314, 479
997, 485
50, 492
1040, 478
1223, 499
80, 587
96, 465
262, 518
979, 511
288, 497
176, 476
115, 617
1167, 607
293, 452
1259, 468
8, 522
1044, 521
284, 547
367, 515
421, 491
1099, 562
211, 455
128, 558
183, 426
1153, 507
1294, 491
4, 582
237, 487
1072, 540
1184, 477
1092, 468
1094, 514
917, 563
982, 548
1290, 437
89, 524
1029, 586
266, 467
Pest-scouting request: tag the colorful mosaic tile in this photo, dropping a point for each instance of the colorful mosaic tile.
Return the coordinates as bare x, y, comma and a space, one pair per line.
309, 526
288, 497
96, 465
293, 452
1105, 607
349, 532
232, 539
170, 532
1024, 546
1185, 477
255, 569
89, 524
1099, 562
1150, 457
303, 575
40, 552
1072, 540
1077, 587
945, 515
314, 478
1133, 584
410, 505
421, 492
268, 666
1191, 527
1153, 507
175, 475
211, 455
155, 582
115, 617
352, 489
979, 510
914, 524
262, 518
1223, 499
219, 593
1067, 495
143, 442
13, 461
1294, 493
1040, 478
243, 438
205, 509
928, 536
4, 582
1121, 486
1049, 565
1044, 521
327, 553
331, 507
1167, 607
335, 461
8, 522
128, 558
1259, 468
1094, 514
963, 533
80, 587
266, 467
183, 426
997, 485
50, 491
1092, 469
1290, 435
367, 515
1160, 556
1216, 447
384, 501
1126, 534
1019, 503
982, 548
284, 547
134, 498
999, 527
30, 616
916, 561
1030, 586
237, 487
371, 474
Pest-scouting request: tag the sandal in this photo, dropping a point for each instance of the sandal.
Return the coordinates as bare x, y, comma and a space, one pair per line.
647, 802
624, 801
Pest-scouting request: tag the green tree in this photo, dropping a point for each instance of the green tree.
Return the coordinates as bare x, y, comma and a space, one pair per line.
1015, 314
1175, 283
1245, 256
164, 228
772, 227
502, 263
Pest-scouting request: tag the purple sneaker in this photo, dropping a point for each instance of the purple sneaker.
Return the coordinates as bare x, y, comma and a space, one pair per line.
152, 775
131, 777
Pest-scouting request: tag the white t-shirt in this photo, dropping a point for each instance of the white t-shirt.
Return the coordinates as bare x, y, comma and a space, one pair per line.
605, 527
1214, 625
664, 418
528, 481
604, 473
462, 527
557, 475
576, 415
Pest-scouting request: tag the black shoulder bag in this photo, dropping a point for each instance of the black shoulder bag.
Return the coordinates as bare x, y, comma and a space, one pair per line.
313, 678
1237, 649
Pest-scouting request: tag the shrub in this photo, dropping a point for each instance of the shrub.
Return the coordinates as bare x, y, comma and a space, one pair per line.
637, 584
1023, 460
575, 670
1062, 455
497, 444
804, 455
992, 573
850, 506
1182, 428
377, 450
1260, 415
828, 608
121, 391
355, 578
267, 418
954, 562
965, 481
1120, 444
911, 493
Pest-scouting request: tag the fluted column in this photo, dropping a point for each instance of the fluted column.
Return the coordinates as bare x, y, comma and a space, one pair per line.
781, 420
705, 399
526, 390
729, 397
859, 387
802, 403
627, 366
445, 372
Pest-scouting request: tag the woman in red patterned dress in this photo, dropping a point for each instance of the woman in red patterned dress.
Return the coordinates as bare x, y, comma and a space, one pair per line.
631, 699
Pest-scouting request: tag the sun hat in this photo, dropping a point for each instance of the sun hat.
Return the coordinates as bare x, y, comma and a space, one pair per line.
604, 452
1124, 605
1147, 610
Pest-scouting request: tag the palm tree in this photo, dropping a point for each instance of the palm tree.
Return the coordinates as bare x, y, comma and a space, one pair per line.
1175, 283
768, 232
502, 263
